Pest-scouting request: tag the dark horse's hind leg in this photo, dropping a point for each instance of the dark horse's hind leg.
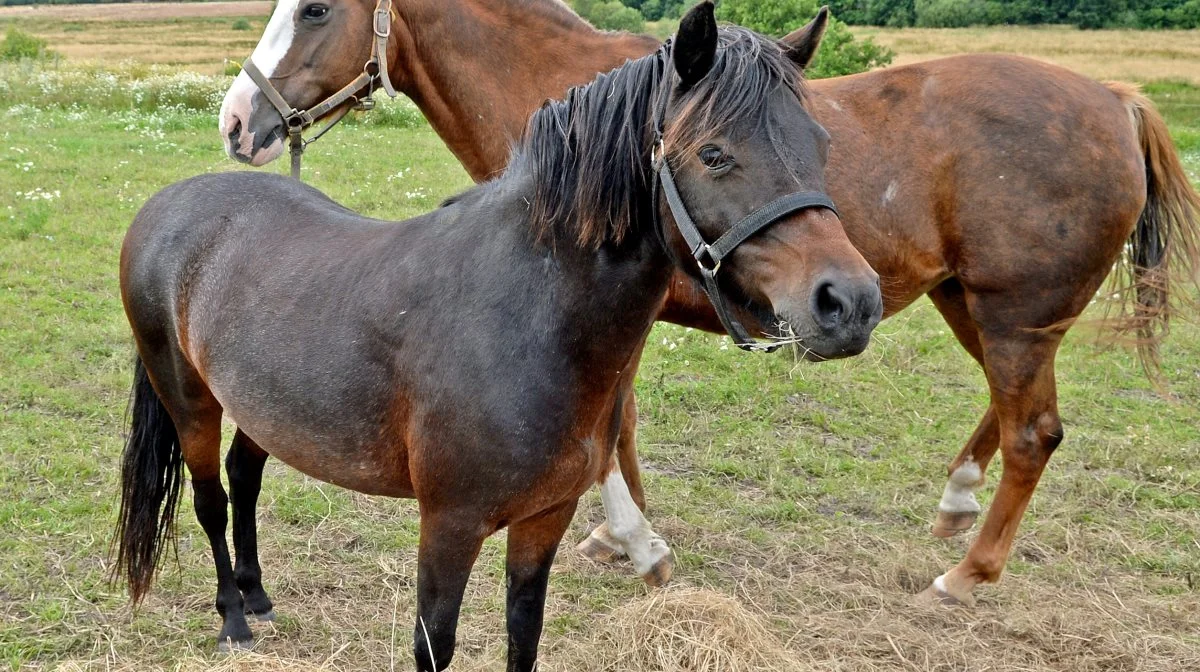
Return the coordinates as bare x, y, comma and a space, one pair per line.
197, 417
244, 467
532, 544
958, 508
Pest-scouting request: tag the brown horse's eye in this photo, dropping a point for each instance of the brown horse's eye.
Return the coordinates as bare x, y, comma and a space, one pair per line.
714, 159
315, 11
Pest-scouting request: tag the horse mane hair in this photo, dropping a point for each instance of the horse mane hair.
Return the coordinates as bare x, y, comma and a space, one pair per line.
589, 154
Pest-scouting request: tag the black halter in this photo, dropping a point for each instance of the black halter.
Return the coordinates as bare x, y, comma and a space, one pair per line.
707, 256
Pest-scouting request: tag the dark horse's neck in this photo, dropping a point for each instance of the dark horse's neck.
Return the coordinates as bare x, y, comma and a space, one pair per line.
507, 56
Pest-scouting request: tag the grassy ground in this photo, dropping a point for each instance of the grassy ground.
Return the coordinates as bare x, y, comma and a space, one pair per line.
797, 497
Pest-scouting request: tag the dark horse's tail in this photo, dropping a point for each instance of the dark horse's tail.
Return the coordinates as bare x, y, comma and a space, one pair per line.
1165, 245
151, 476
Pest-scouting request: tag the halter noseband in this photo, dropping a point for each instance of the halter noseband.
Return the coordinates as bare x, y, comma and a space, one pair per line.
709, 256
298, 120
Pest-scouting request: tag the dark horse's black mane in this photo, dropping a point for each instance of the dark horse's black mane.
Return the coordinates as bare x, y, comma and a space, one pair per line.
589, 155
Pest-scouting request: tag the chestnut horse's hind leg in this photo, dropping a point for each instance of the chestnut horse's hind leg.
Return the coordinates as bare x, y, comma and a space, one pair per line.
626, 530
532, 544
445, 556
958, 507
244, 467
1020, 372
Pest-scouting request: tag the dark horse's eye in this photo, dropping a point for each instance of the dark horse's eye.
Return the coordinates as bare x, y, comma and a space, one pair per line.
315, 11
713, 158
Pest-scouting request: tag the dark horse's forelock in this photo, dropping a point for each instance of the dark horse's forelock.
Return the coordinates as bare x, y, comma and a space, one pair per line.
590, 153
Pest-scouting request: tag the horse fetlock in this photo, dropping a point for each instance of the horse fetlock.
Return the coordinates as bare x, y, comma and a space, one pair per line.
648, 552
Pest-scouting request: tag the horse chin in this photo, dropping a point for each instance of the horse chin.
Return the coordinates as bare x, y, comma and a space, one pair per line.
264, 155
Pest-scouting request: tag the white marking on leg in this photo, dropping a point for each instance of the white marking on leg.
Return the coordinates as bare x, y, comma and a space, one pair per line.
959, 496
272, 47
628, 526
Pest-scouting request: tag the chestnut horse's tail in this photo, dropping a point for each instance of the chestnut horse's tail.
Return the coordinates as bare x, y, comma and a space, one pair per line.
151, 477
1165, 246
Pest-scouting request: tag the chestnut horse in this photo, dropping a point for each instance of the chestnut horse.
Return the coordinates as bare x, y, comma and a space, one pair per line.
476, 358
1003, 188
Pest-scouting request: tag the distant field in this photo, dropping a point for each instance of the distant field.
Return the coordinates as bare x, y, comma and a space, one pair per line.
1133, 55
797, 498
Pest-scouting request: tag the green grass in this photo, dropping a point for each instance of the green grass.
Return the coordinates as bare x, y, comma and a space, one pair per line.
804, 490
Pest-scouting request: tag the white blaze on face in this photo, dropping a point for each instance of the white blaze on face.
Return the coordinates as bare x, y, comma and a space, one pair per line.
272, 47
959, 495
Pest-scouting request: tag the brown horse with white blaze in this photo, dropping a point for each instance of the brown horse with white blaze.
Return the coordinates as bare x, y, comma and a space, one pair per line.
476, 358
1003, 188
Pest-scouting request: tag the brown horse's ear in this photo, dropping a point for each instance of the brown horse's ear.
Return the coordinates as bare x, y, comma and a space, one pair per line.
802, 43
695, 44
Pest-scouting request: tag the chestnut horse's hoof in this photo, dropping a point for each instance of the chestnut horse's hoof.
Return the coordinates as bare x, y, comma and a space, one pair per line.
660, 574
949, 523
937, 594
600, 546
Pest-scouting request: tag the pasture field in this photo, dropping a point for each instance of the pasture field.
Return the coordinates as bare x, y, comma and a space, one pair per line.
797, 497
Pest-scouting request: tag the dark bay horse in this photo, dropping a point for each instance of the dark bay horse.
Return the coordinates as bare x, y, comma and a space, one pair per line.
1003, 188
476, 358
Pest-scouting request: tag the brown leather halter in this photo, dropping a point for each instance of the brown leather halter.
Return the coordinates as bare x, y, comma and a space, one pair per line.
298, 120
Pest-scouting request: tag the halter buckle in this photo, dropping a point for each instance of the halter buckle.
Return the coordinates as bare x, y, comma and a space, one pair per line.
657, 154
383, 23
364, 104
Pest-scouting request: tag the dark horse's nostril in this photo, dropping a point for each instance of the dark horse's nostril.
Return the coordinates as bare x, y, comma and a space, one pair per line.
829, 305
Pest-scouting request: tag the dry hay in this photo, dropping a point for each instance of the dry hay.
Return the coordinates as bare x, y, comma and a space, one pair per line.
680, 630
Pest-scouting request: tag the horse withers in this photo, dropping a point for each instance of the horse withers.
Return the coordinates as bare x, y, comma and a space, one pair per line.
476, 358
1003, 188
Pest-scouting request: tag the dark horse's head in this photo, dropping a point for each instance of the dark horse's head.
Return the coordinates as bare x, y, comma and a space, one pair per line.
736, 135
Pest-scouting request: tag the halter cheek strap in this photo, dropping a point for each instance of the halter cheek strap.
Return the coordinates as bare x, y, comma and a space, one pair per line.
297, 120
709, 256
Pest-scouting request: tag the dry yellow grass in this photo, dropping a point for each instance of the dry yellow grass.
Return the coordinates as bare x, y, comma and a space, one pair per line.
194, 36
1103, 54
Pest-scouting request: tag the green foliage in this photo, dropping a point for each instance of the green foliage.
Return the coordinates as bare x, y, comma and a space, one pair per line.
241, 24
611, 15
840, 52
19, 45
1088, 14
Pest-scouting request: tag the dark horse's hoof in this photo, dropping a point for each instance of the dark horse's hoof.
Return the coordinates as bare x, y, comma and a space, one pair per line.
268, 615
229, 646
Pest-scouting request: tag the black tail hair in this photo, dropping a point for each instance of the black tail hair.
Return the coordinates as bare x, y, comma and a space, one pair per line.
151, 477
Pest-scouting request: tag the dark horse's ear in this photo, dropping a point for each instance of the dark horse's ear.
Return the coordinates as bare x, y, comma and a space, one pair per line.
695, 44
802, 43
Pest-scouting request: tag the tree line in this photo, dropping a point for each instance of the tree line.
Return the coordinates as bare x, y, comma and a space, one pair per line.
1088, 14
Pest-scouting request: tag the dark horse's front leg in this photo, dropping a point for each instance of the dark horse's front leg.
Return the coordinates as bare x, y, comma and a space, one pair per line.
244, 467
447, 552
532, 544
